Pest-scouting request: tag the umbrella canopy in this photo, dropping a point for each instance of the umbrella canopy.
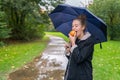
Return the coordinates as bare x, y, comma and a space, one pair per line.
63, 15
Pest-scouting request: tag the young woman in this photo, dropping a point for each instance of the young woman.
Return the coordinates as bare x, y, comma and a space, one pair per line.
79, 52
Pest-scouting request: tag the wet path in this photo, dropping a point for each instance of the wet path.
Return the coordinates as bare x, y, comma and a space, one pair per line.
51, 65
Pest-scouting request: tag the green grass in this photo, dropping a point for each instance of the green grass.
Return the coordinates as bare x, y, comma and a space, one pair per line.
16, 55
58, 34
106, 61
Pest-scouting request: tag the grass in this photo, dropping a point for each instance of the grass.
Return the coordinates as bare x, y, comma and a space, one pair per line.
58, 34
106, 61
16, 55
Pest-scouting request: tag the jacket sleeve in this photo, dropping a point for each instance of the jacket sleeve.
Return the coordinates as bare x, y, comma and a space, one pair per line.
80, 54
67, 54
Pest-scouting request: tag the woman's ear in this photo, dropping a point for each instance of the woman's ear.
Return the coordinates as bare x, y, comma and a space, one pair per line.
83, 28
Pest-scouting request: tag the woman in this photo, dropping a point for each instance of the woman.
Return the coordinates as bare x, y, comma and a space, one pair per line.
79, 52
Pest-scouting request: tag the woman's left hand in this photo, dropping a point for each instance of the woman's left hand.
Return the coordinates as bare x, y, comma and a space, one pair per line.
72, 39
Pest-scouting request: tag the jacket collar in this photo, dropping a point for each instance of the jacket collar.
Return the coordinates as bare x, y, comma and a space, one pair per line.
87, 35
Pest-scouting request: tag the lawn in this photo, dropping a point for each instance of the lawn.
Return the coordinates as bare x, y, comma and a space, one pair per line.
16, 55
58, 34
106, 61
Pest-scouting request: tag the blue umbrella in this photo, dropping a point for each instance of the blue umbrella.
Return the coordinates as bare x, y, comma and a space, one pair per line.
63, 15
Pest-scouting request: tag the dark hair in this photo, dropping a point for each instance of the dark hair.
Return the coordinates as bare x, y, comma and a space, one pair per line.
82, 19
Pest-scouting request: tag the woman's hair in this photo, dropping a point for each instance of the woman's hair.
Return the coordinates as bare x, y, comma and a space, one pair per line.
82, 19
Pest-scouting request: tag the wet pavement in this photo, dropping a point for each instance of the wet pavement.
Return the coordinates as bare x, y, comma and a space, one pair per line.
50, 65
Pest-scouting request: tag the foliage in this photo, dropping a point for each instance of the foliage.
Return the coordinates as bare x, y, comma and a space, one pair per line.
4, 31
108, 10
49, 5
26, 18
16, 12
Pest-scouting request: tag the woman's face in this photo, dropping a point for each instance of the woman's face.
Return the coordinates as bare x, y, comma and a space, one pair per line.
78, 27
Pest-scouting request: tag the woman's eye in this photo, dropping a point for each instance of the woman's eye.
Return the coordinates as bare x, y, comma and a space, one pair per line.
76, 26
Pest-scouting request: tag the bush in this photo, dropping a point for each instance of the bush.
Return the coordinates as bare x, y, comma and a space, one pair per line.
4, 31
116, 33
33, 28
2, 43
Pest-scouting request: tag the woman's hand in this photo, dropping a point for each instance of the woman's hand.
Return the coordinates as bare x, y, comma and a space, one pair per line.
72, 39
67, 47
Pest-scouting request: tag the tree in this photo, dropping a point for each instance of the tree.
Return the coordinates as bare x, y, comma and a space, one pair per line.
25, 17
4, 31
108, 10
49, 5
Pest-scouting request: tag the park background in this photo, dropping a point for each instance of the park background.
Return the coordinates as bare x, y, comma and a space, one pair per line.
24, 26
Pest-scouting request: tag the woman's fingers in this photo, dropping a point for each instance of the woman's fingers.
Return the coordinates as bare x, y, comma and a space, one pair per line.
67, 45
75, 34
69, 35
72, 39
68, 49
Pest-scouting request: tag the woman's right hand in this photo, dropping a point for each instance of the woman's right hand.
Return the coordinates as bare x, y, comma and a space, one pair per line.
67, 47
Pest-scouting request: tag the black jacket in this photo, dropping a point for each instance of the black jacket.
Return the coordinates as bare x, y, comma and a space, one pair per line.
79, 63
